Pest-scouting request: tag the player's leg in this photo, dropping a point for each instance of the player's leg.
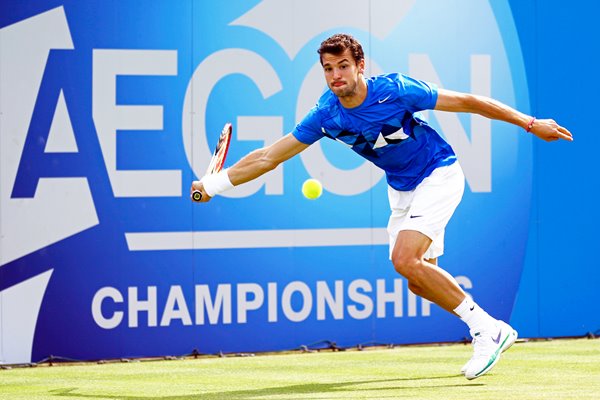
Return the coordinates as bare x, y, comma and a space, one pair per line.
417, 229
490, 336
424, 278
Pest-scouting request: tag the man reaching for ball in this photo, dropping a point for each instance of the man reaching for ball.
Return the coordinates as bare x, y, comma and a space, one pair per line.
378, 117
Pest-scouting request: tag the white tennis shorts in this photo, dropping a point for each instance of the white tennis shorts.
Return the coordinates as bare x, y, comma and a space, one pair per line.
428, 207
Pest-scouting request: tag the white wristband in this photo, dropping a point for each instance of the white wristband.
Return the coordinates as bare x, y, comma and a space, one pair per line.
215, 184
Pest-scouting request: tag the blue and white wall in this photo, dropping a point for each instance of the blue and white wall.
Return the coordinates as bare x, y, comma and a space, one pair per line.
108, 111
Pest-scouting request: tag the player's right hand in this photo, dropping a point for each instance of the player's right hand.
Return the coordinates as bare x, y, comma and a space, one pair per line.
197, 186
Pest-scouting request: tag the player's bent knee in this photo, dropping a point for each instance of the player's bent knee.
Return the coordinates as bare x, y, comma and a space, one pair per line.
407, 266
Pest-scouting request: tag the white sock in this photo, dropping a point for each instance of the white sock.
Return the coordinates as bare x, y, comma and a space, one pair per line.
474, 316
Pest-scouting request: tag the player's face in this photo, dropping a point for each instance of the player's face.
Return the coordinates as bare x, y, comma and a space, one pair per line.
342, 73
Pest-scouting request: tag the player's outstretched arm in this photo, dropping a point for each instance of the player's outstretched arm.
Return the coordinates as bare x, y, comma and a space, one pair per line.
545, 129
263, 160
257, 163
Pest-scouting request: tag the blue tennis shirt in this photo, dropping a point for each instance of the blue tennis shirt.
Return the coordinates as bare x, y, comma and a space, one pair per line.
386, 128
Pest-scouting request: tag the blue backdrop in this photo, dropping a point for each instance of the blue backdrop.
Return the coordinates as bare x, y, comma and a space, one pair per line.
108, 110
558, 295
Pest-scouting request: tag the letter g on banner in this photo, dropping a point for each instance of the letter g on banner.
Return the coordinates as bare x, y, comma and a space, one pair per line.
214, 68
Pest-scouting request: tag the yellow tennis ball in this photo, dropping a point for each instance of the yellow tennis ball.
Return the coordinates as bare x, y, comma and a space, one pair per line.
312, 189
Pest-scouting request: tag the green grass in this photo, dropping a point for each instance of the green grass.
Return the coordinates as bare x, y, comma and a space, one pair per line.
559, 369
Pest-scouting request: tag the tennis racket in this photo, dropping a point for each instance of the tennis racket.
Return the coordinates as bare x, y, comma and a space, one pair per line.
218, 157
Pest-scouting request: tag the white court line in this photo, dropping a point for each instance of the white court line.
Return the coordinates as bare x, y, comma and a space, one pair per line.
205, 240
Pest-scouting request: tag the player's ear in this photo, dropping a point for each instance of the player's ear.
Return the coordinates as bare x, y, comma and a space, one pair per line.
361, 66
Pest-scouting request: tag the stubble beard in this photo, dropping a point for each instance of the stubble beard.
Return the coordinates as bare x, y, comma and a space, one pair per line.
348, 91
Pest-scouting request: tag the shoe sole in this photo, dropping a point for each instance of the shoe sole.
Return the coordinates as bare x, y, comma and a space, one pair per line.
507, 342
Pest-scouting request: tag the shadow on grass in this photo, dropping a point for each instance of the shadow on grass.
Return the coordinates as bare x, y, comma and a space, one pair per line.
308, 388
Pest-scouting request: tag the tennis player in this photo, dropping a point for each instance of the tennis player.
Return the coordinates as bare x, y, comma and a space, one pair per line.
379, 118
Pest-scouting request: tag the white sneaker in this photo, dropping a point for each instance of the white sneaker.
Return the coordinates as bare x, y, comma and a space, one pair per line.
487, 347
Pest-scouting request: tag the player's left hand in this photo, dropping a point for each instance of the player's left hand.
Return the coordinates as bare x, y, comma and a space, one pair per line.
198, 186
549, 130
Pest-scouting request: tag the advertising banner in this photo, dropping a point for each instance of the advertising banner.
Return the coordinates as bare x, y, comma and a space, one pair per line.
108, 112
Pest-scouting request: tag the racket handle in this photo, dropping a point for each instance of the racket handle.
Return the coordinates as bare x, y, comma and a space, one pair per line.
196, 195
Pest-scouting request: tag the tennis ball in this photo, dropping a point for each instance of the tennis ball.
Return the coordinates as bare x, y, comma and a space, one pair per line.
312, 189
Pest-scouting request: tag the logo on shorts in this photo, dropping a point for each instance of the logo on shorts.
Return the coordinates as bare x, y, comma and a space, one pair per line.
415, 216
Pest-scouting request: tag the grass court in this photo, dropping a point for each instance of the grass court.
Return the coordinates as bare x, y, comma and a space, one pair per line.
548, 369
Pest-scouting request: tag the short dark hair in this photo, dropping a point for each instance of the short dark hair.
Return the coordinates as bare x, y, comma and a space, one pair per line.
338, 43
